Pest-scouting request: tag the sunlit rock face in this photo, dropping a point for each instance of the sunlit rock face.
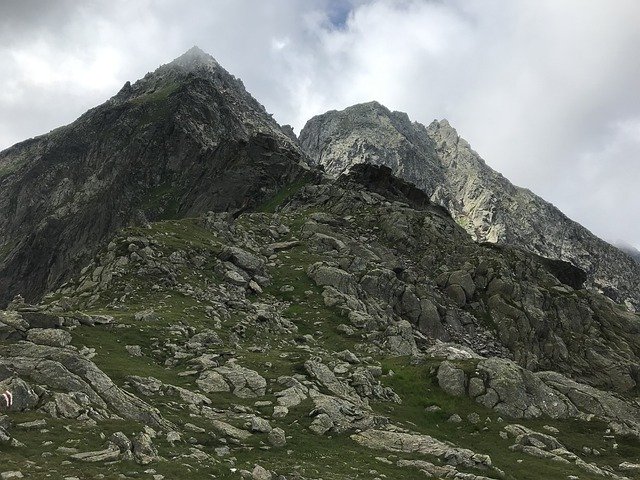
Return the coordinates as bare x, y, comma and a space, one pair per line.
485, 203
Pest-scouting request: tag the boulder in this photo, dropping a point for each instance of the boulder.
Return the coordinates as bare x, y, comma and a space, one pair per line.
422, 444
53, 337
245, 383
452, 379
277, 437
211, 381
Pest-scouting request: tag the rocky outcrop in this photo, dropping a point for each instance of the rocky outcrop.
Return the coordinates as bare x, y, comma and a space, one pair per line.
66, 370
214, 341
422, 444
415, 267
486, 204
519, 393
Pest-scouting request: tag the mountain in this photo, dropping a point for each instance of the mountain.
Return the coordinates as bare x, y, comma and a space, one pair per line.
183, 140
216, 308
487, 205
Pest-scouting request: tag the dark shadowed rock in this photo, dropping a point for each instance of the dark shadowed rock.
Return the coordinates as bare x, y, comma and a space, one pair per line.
183, 140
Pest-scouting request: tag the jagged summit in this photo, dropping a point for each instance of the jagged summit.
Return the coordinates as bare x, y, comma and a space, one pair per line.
195, 58
370, 132
486, 204
185, 139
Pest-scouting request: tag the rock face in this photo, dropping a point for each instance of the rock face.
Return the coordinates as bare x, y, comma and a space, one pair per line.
423, 444
498, 300
486, 204
183, 140
518, 393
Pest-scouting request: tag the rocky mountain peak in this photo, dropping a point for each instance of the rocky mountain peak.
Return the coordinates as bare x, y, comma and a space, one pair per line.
438, 161
194, 58
185, 139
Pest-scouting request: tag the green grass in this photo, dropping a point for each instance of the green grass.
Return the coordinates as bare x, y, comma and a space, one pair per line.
6, 249
161, 202
157, 96
155, 106
272, 204
11, 166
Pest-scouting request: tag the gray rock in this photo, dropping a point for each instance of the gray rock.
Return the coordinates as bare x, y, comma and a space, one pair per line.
398, 339
348, 356
133, 350
487, 205
243, 259
325, 275
260, 473
277, 437
464, 280
146, 316
245, 383
67, 219
229, 430
63, 369
211, 381
260, 425
326, 377
49, 336
321, 424
437, 471
340, 415
121, 441
451, 379
457, 294
106, 455
422, 444
11, 474
455, 418
143, 449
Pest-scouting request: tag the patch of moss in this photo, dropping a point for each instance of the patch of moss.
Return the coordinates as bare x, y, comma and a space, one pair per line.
272, 204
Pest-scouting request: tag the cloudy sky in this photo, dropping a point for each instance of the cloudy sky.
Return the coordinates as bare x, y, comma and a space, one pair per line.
547, 91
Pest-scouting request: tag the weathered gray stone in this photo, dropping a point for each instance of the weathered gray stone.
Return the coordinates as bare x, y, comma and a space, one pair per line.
211, 381
277, 437
260, 473
422, 444
260, 425
53, 337
106, 455
451, 379
245, 383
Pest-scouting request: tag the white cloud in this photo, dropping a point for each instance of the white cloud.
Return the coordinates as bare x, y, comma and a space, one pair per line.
545, 90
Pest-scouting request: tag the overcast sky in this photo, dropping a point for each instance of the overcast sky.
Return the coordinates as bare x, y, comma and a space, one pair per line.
547, 91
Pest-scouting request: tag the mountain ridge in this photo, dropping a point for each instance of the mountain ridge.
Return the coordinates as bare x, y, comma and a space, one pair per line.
188, 130
439, 161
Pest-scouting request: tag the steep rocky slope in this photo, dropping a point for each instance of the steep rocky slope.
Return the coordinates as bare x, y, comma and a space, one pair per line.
485, 203
183, 140
344, 329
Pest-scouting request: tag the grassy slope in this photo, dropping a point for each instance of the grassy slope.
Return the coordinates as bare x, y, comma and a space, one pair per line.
334, 457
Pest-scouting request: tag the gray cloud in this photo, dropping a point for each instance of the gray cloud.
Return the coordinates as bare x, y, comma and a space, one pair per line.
545, 91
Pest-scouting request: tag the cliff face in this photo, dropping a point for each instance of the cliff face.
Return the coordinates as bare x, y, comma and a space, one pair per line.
485, 203
183, 140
